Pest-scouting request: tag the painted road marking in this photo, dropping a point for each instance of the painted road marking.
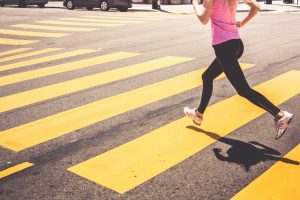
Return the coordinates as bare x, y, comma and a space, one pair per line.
125, 167
51, 91
42, 130
122, 18
53, 28
101, 20
30, 33
65, 67
16, 42
281, 181
46, 59
76, 23
19, 50
33, 53
15, 169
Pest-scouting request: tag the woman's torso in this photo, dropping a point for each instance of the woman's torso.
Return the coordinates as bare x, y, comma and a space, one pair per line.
223, 21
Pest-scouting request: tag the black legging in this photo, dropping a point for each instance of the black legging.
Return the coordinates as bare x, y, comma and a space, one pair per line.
227, 55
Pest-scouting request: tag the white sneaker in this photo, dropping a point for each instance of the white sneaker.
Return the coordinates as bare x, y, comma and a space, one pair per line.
281, 124
191, 113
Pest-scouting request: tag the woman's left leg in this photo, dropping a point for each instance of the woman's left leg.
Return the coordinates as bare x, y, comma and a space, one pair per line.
230, 65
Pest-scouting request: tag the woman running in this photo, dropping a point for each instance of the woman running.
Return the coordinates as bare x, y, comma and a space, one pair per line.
229, 48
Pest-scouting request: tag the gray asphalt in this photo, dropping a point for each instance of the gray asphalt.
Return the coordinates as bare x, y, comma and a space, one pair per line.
272, 42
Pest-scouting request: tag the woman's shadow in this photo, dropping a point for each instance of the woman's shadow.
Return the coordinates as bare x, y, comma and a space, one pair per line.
243, 153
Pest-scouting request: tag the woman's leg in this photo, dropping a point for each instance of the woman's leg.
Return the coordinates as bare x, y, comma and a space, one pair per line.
229, 63
213, 71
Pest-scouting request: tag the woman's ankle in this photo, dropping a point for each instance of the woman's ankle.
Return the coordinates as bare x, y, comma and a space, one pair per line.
279, 114
199, 114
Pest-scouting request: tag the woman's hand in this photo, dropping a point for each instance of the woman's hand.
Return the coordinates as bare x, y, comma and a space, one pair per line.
254, 8
239, 24
195, 3
203, 13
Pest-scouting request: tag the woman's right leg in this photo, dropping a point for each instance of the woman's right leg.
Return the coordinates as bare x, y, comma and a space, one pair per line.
213, 71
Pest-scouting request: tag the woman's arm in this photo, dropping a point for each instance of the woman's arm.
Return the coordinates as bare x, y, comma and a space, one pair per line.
254, 8
204, 12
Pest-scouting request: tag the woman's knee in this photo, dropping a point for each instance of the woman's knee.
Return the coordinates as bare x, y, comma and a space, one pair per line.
207, 78
245, 92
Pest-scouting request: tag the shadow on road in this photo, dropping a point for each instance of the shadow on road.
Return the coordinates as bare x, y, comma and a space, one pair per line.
243, 153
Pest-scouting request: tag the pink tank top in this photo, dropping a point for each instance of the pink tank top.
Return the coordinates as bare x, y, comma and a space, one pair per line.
223, 22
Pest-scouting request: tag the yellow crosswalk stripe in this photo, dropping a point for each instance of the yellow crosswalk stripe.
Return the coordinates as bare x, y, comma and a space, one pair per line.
101, 20
131, 164
15, 169
33, 133
65, 67
77, 23
30, 33
281, 181
45, 59
33, 53
122, 18
19, 50
40, 94
52, 28
16, 42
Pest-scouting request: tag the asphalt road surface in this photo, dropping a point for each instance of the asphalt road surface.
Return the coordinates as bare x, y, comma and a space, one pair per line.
91, 107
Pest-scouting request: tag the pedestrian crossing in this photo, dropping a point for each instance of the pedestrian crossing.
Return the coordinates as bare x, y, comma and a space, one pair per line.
33, 133
71, 25
131, 164
125, 167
